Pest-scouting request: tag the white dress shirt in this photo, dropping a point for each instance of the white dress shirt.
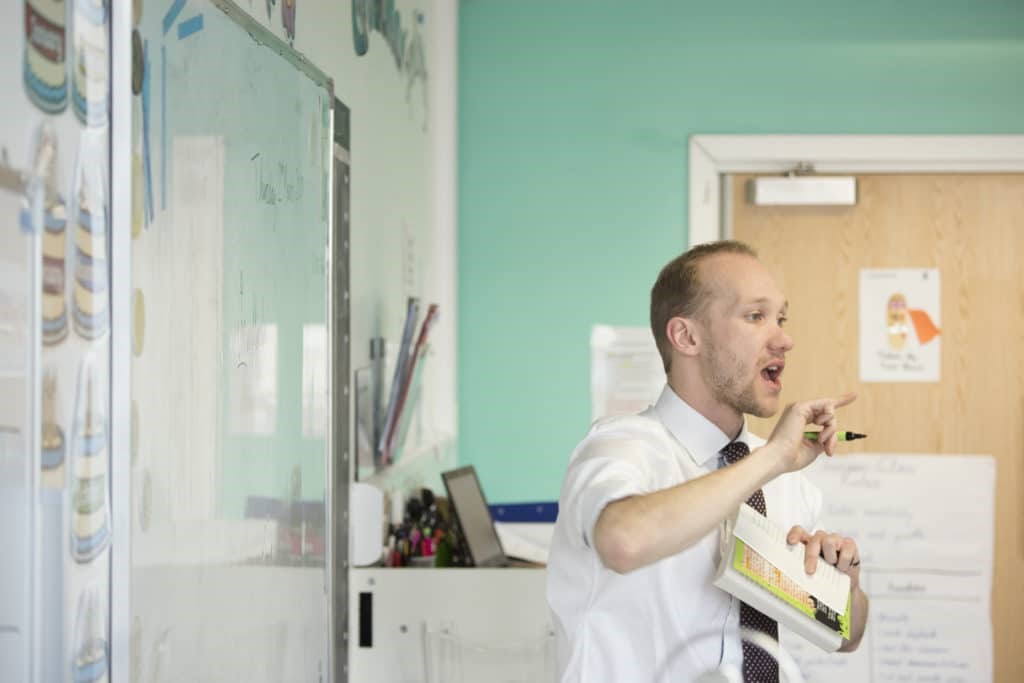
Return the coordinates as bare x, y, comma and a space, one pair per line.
665, 621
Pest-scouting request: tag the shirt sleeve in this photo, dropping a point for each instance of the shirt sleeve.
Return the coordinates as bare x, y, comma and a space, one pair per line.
606, 469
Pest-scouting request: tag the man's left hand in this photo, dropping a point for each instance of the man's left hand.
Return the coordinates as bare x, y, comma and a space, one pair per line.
838, 551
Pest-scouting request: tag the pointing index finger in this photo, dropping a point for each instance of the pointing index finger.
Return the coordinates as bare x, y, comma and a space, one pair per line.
844, 400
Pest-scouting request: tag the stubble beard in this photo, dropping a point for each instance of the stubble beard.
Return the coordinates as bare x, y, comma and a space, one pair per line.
724, 374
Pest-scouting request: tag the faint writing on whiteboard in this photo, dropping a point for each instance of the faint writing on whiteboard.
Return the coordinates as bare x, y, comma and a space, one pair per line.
276, 182
252, 400
250, 331
249, 340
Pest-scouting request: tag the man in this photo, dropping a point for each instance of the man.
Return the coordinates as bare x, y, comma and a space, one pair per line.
645, 497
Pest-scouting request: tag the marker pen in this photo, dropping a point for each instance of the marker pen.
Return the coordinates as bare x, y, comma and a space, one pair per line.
843, 436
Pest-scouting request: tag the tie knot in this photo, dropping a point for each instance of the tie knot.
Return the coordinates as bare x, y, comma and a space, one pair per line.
735, 451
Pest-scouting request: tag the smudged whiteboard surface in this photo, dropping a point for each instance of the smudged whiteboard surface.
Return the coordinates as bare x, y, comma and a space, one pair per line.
925, 528
229, 523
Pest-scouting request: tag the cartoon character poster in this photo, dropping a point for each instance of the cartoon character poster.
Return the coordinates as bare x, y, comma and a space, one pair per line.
900, 334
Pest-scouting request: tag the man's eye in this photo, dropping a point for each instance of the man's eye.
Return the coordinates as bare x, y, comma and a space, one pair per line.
755, 317
782, 321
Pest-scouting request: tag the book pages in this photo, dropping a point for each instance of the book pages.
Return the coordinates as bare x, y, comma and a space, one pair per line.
827, 584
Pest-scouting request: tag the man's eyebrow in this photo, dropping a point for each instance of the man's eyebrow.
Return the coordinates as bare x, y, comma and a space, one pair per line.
761, 300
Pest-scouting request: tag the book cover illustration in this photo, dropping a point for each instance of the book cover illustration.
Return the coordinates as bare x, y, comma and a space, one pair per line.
755, 567
762, 570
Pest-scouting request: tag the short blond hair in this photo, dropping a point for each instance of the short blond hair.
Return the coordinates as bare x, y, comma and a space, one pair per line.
680, 292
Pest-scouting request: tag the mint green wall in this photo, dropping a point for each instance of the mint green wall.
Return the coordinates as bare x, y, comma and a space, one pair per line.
573, 125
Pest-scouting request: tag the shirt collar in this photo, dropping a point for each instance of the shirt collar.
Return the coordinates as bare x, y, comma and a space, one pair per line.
700, 437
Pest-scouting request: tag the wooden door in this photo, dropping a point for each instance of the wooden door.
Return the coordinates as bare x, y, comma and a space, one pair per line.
970, 227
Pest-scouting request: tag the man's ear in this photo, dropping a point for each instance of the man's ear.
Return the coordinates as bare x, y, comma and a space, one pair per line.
684, 335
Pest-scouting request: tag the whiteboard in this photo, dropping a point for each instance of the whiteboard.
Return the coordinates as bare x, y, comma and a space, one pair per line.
231, 231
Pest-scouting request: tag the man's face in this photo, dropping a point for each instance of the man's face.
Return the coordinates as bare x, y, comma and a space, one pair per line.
744, 343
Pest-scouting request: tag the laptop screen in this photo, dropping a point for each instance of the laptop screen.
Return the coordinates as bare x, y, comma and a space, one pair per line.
474, 517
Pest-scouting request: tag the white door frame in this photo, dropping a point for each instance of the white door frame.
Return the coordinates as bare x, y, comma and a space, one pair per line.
712, 156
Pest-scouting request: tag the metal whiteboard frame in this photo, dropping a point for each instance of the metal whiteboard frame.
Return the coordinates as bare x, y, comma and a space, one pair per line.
120, 347
341, 465
263, 36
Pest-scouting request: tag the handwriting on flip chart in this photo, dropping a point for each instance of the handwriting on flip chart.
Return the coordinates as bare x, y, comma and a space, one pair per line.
922, 627
931, 627
924, 527
911, 511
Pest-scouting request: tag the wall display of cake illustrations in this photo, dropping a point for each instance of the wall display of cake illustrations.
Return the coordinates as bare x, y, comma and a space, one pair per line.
54, 134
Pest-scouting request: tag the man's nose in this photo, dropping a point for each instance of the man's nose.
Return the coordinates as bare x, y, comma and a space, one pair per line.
782, 341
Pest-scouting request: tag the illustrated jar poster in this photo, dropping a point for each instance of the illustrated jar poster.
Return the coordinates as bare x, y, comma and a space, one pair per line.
900, 335
55, 131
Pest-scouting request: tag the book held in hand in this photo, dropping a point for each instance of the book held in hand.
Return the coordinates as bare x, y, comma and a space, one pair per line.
764, 571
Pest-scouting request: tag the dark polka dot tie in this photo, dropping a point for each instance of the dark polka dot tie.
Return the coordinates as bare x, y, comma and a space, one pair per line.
758, 665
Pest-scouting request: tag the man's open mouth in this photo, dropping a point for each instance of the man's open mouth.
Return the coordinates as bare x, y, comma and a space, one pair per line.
772, 373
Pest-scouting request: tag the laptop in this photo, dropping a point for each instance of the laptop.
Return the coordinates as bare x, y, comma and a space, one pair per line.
474, 517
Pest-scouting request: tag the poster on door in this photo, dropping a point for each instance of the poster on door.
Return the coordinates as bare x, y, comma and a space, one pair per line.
900, 334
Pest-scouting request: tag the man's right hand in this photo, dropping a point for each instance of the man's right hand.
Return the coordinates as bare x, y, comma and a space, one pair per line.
793, 450
635, 531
